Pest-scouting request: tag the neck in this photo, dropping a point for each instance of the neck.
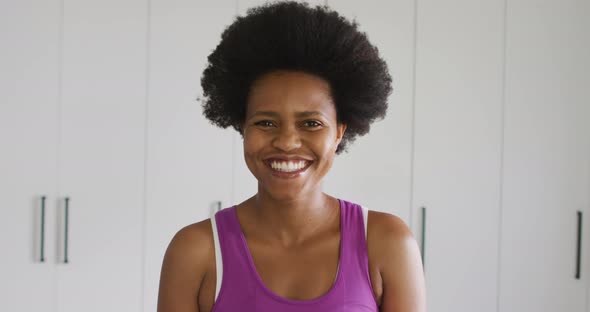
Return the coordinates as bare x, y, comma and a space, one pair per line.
294, 220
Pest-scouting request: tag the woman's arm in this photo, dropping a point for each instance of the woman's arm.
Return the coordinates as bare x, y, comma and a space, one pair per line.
400, 265
184, 267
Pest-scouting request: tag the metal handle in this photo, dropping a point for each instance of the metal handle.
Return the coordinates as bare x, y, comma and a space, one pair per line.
67, 210
42, 259
423, 235
579, 247
219, 206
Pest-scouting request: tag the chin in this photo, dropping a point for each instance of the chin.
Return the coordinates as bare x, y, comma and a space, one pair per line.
283, 193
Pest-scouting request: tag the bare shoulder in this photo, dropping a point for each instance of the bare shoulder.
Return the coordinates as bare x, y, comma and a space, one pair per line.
388, 237
189, 256
196, 237
388, 227
396, 257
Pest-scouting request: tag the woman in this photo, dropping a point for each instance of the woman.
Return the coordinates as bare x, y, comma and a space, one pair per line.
299, 84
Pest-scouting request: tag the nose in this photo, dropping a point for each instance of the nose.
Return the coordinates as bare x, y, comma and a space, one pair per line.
287, 139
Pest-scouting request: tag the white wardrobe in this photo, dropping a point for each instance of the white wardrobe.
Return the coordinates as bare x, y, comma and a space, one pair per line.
546, 159
485, 150
72, 113
458, 150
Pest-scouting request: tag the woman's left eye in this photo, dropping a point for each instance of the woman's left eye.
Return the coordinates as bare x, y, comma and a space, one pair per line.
312, 124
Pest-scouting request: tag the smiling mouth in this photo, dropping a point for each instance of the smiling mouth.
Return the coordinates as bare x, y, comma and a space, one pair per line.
288, 168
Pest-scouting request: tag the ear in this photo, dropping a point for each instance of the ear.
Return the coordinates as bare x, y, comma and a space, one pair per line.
240, 128
340, 130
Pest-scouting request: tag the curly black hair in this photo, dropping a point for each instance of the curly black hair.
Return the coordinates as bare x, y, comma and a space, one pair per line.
290, 35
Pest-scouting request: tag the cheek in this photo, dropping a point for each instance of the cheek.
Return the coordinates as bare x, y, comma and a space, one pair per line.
331, 141
250, 148
326, 147
252, 144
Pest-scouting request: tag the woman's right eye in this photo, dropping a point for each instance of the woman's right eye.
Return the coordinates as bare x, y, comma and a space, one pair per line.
264, 123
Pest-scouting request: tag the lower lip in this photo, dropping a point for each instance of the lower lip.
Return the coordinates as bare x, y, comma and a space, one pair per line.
288, 175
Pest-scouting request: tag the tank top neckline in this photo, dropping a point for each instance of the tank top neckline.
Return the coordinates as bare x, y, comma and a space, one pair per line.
260, 282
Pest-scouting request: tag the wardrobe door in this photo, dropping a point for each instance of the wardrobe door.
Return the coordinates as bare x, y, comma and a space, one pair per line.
189, 161
29, 71
546, 157
375, 172
457, 151
585, 80
102, 155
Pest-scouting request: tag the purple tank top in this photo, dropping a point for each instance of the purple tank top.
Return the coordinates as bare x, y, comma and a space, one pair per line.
242, 288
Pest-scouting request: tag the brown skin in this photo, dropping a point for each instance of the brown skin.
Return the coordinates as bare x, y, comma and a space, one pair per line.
292, 228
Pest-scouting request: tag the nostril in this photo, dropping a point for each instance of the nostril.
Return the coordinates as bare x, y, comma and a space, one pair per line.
287, 142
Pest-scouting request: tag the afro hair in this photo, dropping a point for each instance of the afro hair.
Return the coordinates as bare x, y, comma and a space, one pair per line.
289, 35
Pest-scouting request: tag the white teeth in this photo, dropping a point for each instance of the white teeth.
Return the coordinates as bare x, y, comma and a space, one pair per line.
288, 166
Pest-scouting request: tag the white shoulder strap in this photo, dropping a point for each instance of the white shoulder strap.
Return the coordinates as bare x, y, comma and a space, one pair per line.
365, 219
218, 260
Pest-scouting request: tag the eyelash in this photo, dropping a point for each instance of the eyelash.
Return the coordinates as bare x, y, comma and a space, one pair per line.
260, 123
264, 123
318, 124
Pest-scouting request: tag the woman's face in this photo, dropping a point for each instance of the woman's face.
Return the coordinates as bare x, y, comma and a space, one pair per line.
290, 133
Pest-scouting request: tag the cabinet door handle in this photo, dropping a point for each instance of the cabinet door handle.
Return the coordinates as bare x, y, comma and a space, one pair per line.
219, 206
579, 247
66, 226
42, 244
423, 236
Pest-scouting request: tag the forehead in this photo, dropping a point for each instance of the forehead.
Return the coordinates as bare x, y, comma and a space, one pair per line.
290, 90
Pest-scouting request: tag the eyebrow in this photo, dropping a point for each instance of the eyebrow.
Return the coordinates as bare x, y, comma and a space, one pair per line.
275, 114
